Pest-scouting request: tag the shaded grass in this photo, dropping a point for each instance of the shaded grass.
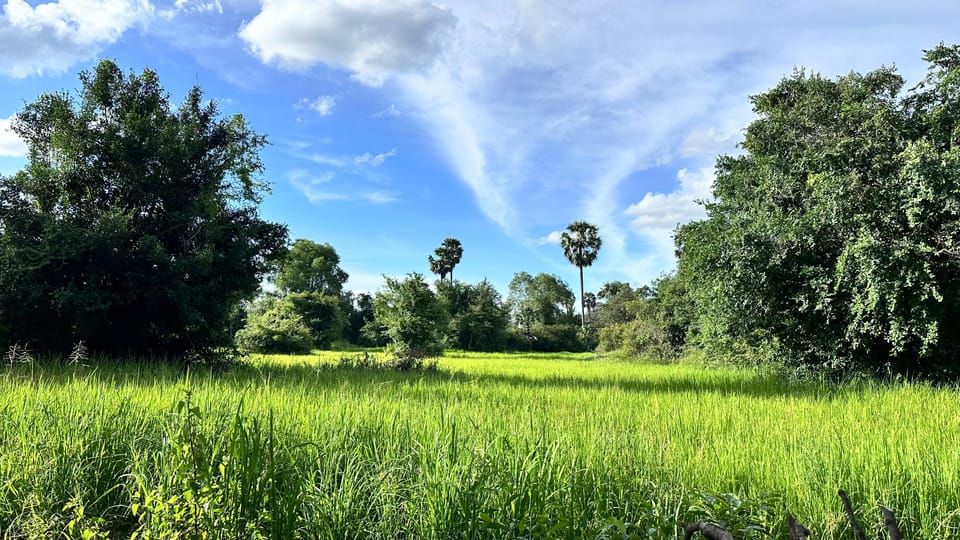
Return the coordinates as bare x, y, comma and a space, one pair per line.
494, 445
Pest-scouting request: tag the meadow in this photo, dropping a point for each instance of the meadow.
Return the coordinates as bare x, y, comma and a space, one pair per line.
478, 446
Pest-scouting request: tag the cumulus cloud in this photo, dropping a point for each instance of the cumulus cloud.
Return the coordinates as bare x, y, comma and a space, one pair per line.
371, 38
552, 238
11, 145
322, 105
667, 210
53, 36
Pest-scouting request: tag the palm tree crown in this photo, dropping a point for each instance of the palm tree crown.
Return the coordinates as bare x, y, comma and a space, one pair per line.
581, 243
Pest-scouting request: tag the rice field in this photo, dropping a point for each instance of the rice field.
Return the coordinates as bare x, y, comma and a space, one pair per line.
482, 446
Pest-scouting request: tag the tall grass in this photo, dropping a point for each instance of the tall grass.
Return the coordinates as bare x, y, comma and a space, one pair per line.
506, 446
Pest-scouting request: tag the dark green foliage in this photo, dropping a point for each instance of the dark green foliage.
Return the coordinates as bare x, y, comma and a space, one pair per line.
311, 267
275, 325
478, 320
360, 312
134, 227
833, 240
413, 318
541, 309
322, 314
448, 256
652, 321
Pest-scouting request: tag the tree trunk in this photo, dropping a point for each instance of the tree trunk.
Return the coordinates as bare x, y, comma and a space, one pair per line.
583, 313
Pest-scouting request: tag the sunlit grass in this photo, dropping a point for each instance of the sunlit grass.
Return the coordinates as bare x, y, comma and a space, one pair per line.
501, 445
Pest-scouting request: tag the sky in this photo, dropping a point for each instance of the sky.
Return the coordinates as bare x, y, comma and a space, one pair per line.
394, 124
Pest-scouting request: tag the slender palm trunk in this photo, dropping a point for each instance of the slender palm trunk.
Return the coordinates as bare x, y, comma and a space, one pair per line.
583, 312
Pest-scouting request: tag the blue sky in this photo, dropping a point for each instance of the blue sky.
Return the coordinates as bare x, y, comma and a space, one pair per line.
397, 123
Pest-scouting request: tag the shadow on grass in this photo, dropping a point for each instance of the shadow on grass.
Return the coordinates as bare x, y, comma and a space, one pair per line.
304, 376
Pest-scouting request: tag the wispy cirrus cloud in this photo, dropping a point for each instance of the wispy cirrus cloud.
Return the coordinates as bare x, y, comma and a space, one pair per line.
551, 111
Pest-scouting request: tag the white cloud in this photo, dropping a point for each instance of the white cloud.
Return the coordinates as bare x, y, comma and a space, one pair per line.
667, 210
320, 188
53, 36
392, 110
191, 7
313, 187
552, 238
380, 197
11, 145
371, 38
323, 105
374, 160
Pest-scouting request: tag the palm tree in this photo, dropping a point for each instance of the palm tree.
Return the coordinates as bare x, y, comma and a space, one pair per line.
448, 256
580, 243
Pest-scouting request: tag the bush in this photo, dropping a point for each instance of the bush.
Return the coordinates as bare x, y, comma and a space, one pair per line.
275, 326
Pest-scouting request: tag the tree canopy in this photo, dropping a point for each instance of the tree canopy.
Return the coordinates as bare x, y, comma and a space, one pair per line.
447, 257
134, 227
311, 267
832, 241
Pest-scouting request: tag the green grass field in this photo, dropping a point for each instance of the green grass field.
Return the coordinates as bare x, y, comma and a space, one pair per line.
503, 446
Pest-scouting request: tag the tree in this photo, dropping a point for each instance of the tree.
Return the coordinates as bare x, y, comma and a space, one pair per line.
322, 314
311, 267
478, 320
134, 227
412, 316
581, 244
832, 241
589, 304
542, 299
448, 256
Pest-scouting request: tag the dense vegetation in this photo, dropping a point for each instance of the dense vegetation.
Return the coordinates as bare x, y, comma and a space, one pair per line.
504, 446
135, 227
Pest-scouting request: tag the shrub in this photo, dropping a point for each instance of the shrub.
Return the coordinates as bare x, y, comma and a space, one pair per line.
275, 326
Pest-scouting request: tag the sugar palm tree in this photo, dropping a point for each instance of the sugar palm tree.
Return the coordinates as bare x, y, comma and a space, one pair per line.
448, 256
581, 243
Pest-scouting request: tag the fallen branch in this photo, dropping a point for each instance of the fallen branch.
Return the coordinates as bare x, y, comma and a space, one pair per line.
709, 531
797, 530
890, 520
857, 530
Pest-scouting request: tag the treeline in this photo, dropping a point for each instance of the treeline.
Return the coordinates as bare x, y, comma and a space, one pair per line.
310, 309
831, 242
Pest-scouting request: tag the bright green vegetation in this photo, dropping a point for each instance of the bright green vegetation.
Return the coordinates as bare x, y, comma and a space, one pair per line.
491, 445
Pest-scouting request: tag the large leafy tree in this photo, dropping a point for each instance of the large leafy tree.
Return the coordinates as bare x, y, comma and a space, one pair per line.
543, 299
311, 267
832, 241
448, 256
478, 319
134, 227
581, 244
413, 318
